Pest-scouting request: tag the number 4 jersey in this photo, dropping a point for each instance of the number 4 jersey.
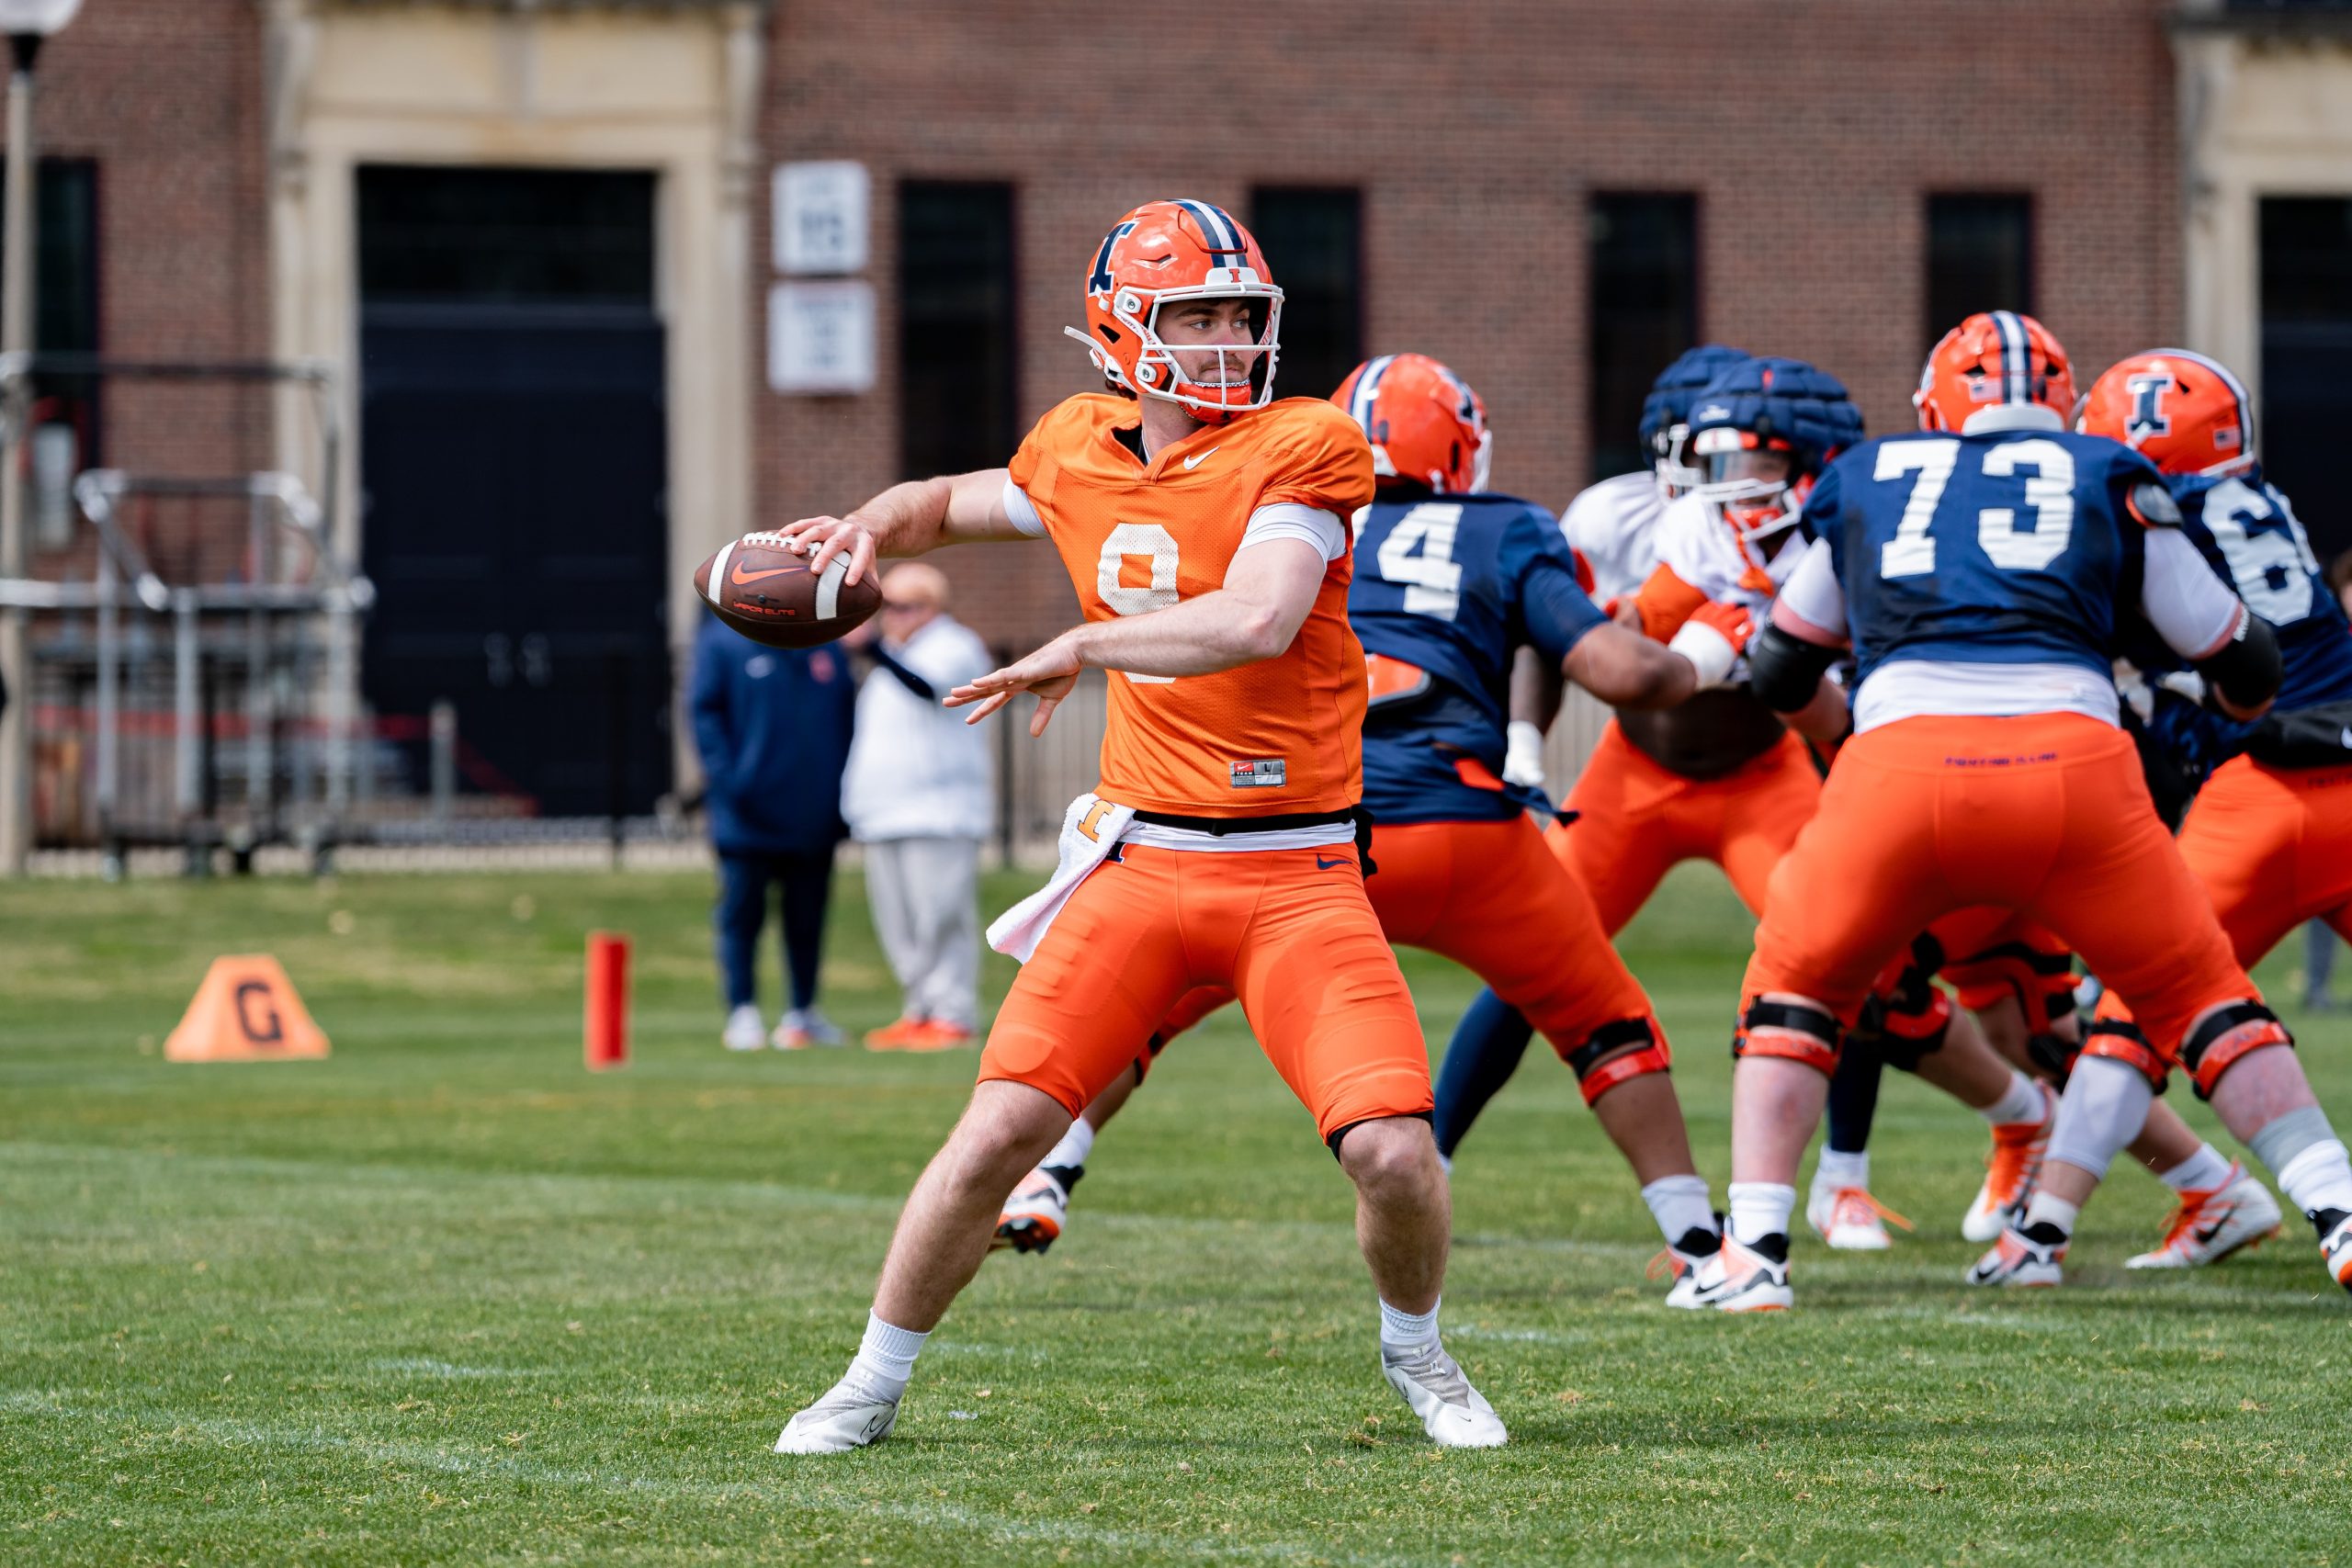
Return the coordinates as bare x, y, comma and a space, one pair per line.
1986, 574
1279, 737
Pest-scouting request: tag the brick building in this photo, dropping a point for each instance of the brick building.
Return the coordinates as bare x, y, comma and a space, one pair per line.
537, 241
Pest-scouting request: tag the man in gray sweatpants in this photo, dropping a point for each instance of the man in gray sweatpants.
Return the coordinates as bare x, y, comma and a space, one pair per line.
918, 796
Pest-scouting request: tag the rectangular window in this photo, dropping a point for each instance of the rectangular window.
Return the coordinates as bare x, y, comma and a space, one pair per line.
1643, 282
2306, 304
957, 377
67, 409
1314, 243
578, 236
1980, 257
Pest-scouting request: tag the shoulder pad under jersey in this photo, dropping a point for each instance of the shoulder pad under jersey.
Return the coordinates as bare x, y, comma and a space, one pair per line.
2153, 505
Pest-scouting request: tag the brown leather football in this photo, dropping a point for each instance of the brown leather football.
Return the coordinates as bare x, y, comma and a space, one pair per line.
767, 592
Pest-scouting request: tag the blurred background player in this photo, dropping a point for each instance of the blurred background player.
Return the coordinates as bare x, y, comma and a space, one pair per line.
1718, 778
1979, 571
2270, 836
919, 795
772, 726
1451, 579
1205, 528
2321, 943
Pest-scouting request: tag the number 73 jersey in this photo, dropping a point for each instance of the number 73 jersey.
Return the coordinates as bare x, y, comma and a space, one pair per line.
1273, 738
2008, 547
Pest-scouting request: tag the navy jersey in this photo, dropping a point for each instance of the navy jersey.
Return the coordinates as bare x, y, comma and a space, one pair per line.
2008, 548
1445, 589
2249, 534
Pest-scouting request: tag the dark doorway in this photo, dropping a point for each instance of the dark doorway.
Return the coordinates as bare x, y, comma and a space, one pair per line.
2306, 348
514, 466
1643, 287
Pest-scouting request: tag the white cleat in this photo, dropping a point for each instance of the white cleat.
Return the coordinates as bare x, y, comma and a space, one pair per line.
2010, 1172
1682, 1259
1851, 1219
2019, 1258
847, 1417
804, 1027
1033, 1216
744, 1032
2210, 1224
2335, 1244
1739, 1278
1455, 1415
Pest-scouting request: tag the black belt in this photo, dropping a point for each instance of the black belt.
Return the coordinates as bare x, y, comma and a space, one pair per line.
1224, 827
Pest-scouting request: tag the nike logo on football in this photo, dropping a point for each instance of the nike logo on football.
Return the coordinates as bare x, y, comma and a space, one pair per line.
1322, 864
1191, 462
739, 576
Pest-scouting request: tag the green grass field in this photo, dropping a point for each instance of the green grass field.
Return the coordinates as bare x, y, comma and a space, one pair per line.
449, 1298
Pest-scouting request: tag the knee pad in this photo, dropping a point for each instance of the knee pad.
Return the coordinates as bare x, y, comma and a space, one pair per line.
1798, 1033
2054, 1055
1629, 1048
1915, 1028
2226, 1037
2119, 1040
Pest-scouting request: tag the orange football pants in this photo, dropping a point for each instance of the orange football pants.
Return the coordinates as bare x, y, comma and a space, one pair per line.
2044, 814
1635, 822
2272, 847
1490, 897
1288, 932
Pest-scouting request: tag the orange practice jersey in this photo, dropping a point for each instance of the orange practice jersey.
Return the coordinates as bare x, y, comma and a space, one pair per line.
1279, 736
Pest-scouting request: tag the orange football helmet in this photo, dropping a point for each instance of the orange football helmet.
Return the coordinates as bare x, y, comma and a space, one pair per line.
1169, 250
1426, 427
1996, 359
2184, 412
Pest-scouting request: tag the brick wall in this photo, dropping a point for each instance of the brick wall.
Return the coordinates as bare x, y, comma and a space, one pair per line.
165, 96
1811, 131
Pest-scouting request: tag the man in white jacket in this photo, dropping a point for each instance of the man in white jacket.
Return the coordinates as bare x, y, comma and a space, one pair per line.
919, 797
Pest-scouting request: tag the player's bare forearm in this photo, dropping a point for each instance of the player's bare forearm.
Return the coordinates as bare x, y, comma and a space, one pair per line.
1626, 669
1535, 689
907, 519
1825, 718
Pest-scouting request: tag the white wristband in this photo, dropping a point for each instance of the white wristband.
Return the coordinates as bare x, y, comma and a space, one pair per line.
1709, 651
1523, 754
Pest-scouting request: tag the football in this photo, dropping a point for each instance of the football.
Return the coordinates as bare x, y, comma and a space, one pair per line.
766, 591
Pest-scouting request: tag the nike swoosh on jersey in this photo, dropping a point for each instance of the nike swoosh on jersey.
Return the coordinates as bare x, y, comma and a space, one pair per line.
1322, 864
1191, 462
739, 576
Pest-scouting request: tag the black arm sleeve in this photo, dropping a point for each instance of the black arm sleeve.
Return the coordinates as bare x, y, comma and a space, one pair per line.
1783, 671
2246, 669
905, 677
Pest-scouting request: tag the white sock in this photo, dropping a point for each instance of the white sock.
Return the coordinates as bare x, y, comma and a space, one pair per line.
1759, 1209
1076, 1144
1680, 1205
2200, 1172
885, 1358
2320, 1178
1838, 1168
2022, 1103
1405, 1330
2043, 1209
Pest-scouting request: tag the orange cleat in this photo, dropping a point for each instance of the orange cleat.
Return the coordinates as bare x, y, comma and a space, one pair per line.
896, 1036
937, 1034
2010, 1172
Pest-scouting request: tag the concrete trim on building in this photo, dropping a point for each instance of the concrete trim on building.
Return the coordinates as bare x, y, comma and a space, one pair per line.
2263, 112
673, 89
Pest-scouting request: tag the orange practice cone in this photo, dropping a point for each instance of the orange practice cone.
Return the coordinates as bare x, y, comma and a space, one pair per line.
245, 1011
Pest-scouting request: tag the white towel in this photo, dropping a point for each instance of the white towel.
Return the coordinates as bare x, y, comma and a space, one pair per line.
1019, 930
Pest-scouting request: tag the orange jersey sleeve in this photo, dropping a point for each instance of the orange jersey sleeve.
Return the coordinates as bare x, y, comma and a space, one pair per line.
1279, 736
